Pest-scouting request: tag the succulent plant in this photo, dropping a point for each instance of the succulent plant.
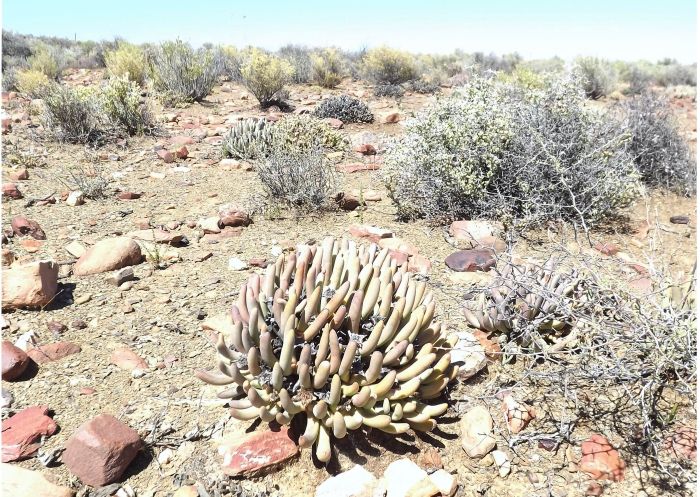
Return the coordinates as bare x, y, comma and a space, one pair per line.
248, 139
535, 294
340, 333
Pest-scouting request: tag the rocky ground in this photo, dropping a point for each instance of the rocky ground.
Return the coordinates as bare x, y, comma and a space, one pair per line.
126, 344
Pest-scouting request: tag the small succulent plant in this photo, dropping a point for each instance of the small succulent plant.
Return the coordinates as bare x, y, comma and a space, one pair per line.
538, 295
341, 334
248, 139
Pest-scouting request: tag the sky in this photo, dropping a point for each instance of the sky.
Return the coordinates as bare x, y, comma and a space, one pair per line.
614, 29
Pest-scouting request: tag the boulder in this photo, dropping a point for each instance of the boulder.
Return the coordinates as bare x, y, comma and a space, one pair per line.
21, 226
231, 215
100, 450
108, 255
14, 361
29, 285
471, 260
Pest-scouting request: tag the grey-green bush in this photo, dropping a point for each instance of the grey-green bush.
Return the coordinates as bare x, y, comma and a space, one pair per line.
346, 108
599, 77
660, 152
185, 74
248, 139
73, 115
519, 155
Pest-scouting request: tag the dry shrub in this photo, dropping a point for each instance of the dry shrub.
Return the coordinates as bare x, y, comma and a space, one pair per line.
328, 68
127, 60
388, 66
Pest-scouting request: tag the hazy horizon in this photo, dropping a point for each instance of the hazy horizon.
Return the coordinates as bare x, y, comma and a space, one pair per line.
622, 30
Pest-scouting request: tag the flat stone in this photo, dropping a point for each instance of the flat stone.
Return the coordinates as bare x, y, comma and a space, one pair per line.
445, 482
120, 276
20, 482
371, 233
476, 427
128, 360
53, 352
108, 255
257, 453
471, 260
21, 433
356, 482
75, 248
404, 478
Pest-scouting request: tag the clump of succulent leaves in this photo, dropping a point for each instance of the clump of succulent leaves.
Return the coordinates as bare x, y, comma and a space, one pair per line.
248, 139
341, 334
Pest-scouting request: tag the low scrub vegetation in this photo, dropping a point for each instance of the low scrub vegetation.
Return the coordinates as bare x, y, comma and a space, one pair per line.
306, 132
346, 108
31, 82
248, 139
184, 74
387, 66
522, 156
121, 101
660, 152
265, 76
73, 114
127, 60
599, 77
328, 68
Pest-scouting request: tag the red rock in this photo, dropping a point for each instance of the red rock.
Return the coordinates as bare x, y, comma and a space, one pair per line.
22, 226
14, 361
53, 351
31, 245
258, 262
333, 122
639, 268
600, 460
358, 166
10, 190
366, 149
231, 215
471, 260
101, 449
128, 195
87, 391
370, 233
6, 125
20, 175
642, 284
157, 235
683, 442
181, 140
30, 285
419, 264
606, 248
227, 232
128, 360
166, 155
491, 348
399, 257
21, 482
399, 245
257, 453
108, 255
182, 152
21, 433
392, 118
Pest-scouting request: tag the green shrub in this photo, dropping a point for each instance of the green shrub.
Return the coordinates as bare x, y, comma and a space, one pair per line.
519, 155
599, 77
301, 178
300, 60
73, 114
305, 132
121, 100
185, 74
31, 82
265, 76
45, 60
345, 108
127, 60
523, 77
389, 90
660, 152
385, 65
328, 68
